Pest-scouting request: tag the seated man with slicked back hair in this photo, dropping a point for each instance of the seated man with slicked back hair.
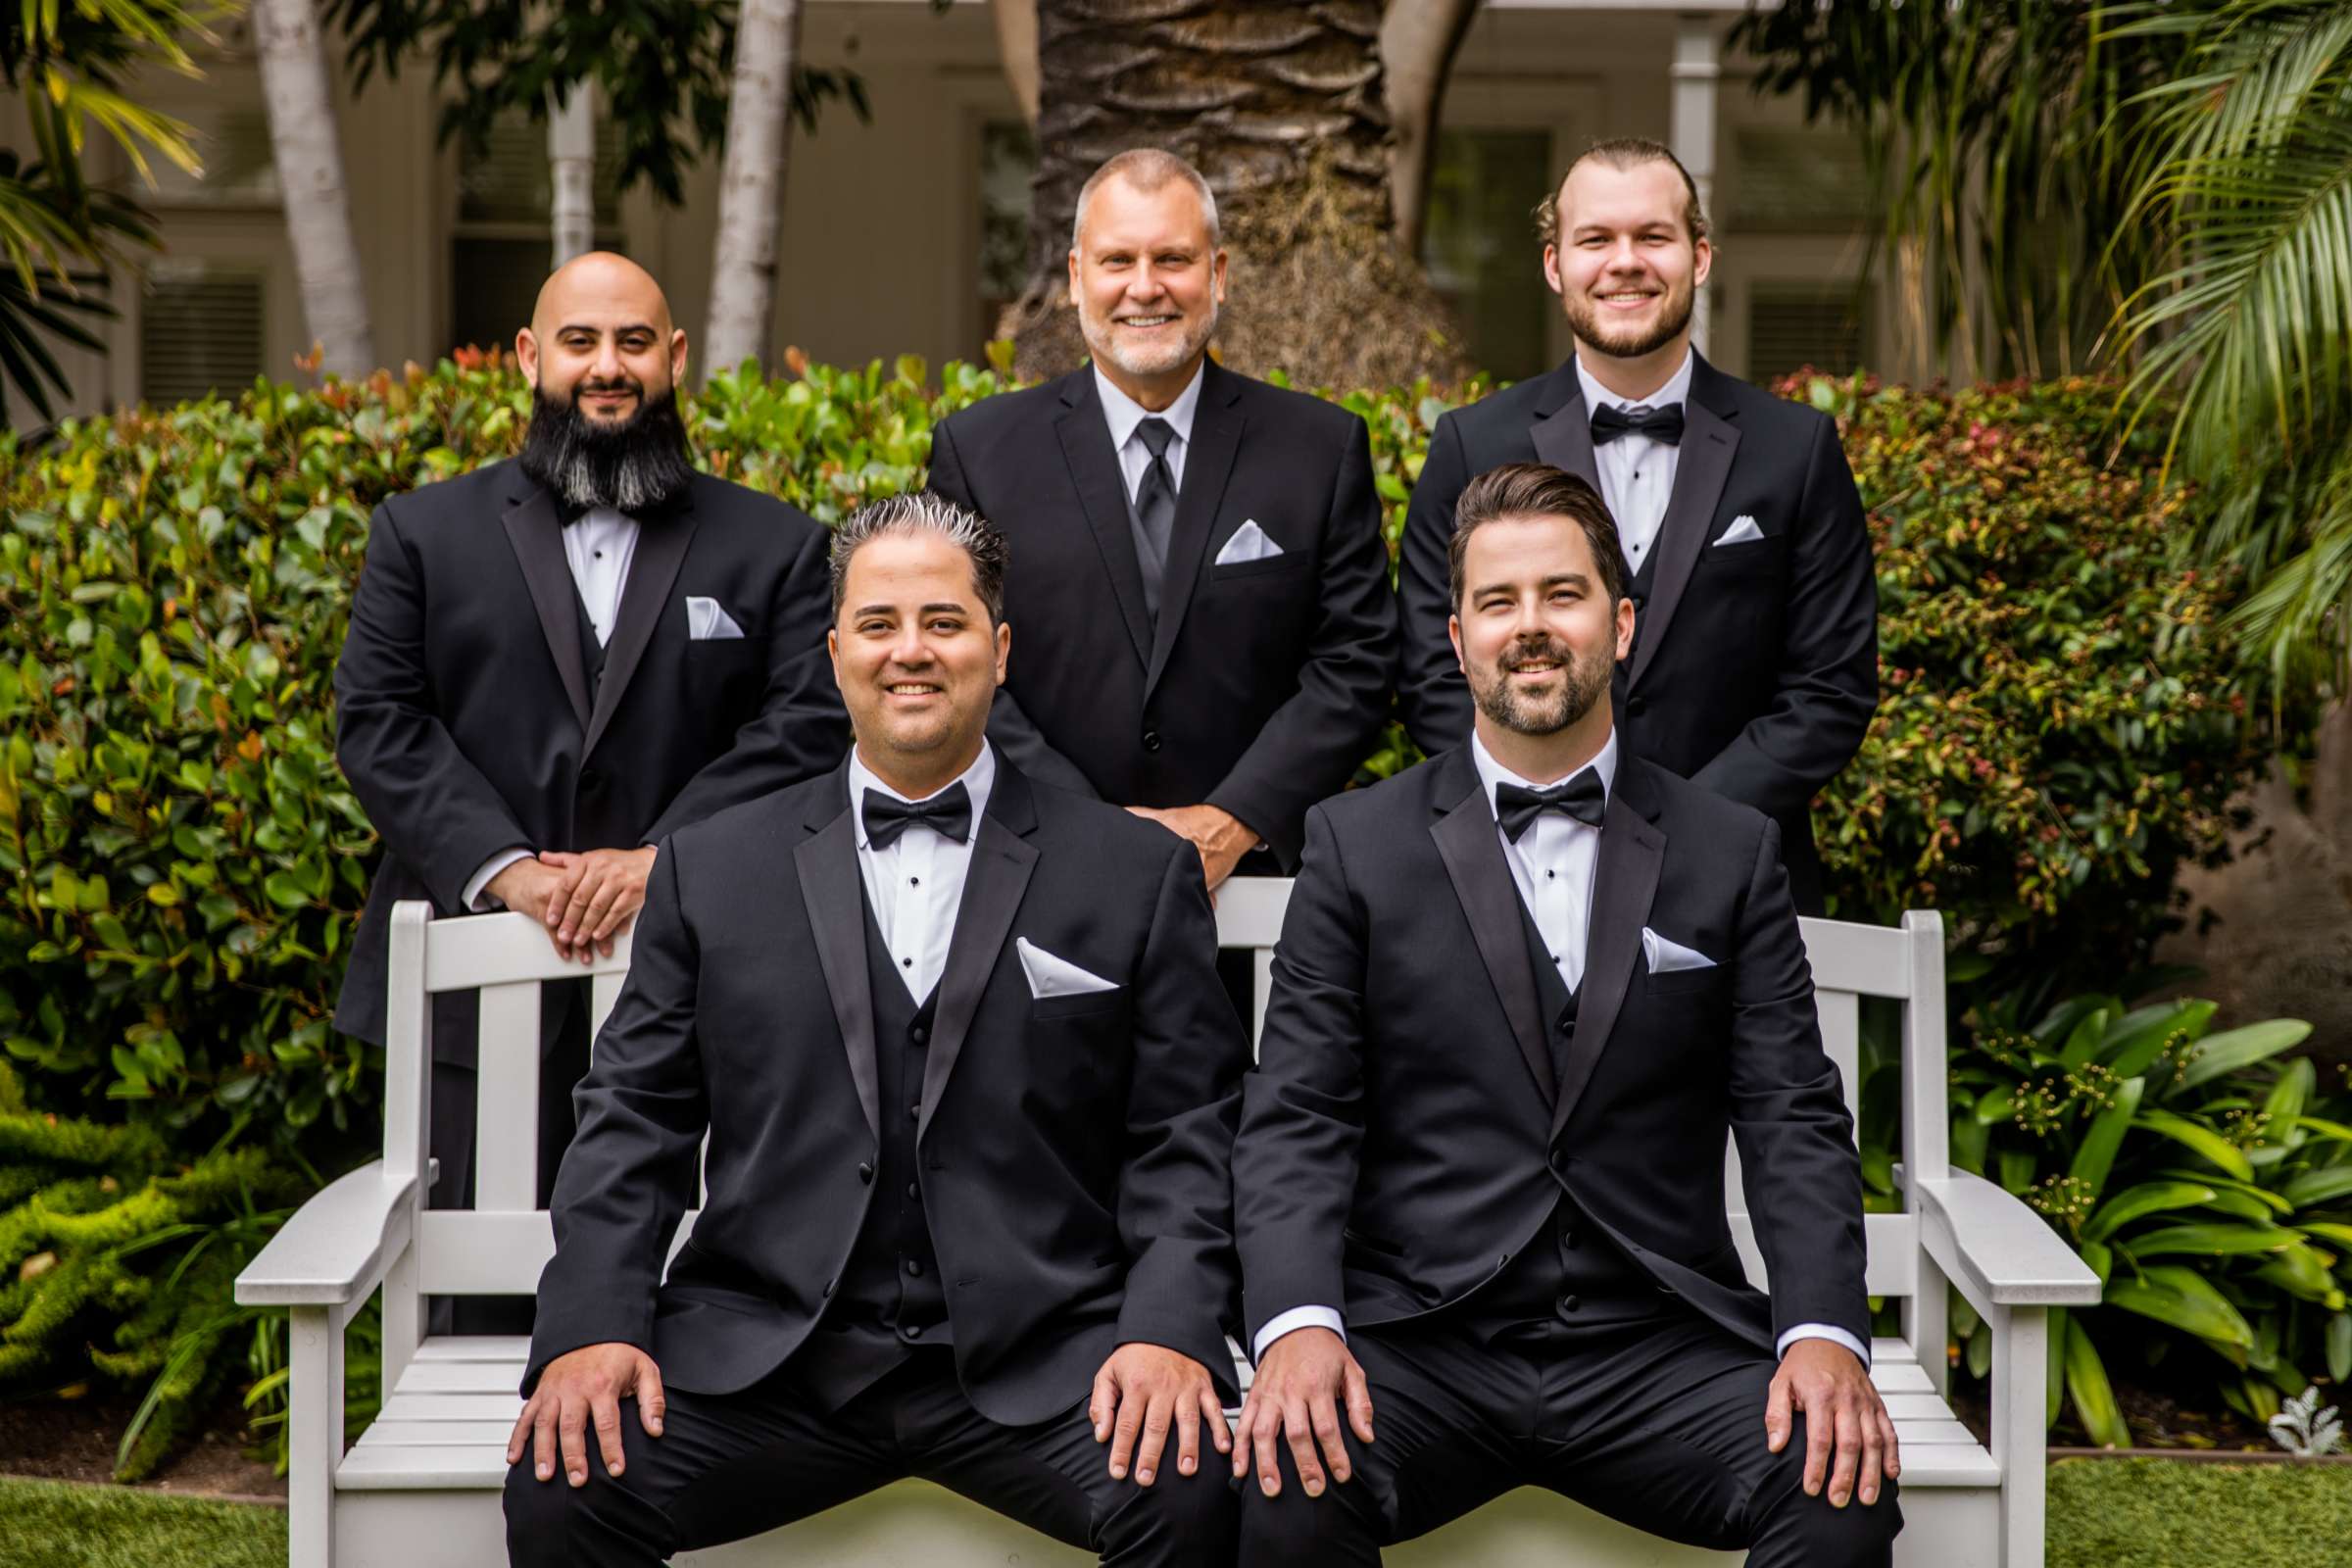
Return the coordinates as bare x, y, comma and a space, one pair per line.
555, 662
969, 1086
1524, 991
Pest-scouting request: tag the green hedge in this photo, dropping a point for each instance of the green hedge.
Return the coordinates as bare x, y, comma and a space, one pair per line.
182, 863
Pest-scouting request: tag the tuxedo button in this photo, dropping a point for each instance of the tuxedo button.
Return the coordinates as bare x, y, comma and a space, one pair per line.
591, 779
914, 1331
914, 1268
914, 1192
1571, 1240
1504, 1261
1150, 740
830, 1284
915, 1113
866, 1172
1569, 1303
920, 1033
1636, 704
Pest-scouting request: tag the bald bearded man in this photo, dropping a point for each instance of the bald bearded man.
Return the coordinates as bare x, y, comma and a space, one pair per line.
553, 663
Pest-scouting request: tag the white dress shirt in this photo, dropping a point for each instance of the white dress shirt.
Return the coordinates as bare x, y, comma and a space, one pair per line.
1554, 866
1123, 413
1636, 473
915, 884
597, 547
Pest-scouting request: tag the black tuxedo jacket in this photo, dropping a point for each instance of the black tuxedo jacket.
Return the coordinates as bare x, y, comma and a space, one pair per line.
1754, 668
1075, 1151
1405, 1133
1264, 682
467, 725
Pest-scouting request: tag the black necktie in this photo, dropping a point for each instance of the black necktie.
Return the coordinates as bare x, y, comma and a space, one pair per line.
950, 812
1155, 506
1582, 798
1610, 421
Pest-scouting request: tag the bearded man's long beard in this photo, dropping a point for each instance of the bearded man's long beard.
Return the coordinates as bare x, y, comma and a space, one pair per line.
635, 466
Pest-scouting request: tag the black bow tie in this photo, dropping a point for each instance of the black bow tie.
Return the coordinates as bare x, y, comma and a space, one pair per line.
1610, 421
1582, 798
947, 812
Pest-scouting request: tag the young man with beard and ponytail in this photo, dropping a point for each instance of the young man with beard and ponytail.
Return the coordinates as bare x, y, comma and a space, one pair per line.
1753, 669
1200, 551
1523, 993
555, 662
954, 1044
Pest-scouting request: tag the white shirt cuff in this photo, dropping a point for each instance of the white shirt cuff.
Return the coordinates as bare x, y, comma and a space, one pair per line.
1298, 1317
1822, 1331
478, 885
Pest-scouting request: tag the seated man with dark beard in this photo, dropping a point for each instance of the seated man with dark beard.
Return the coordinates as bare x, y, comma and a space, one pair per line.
555, 662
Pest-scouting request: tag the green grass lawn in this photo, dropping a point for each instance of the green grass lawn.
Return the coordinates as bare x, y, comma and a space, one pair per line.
2104, 1513
50, 1524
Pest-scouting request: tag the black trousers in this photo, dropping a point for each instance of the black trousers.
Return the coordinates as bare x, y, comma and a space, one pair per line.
733, 1465
562, 1063
1661, 1427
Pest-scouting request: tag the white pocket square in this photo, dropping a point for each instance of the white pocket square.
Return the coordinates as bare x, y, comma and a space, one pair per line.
1049, 976
1667, 957
707, 622
1742, 532
1248, 543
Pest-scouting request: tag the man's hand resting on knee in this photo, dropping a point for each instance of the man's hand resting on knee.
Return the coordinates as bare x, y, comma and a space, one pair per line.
1141, 1392
1848, 1438
583, 1386
1299, 1386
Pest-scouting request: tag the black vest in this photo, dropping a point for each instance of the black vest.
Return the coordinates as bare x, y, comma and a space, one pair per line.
1570, 1274
1637, 586
889, 1302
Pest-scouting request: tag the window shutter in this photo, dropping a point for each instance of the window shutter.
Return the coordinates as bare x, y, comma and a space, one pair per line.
1797, 182
199, 330
1791, 326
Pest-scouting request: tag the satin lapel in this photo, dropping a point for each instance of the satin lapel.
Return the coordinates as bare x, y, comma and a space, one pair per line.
1216, 439
537, 535
1481, 880
1002, 858
1622, 886
835, 898
661, 550
1563, 437
1709, 442
1103, 496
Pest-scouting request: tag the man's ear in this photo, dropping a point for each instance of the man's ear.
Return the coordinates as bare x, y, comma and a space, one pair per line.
1625, 628
526, 355
1453, 632
1004, 649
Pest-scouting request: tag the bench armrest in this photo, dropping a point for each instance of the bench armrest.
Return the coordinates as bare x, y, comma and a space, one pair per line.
334, 1250
1996, 1249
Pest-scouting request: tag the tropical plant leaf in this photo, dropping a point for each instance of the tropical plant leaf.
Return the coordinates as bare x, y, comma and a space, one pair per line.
2135, 1202
2184, 1299
2199, 1140
2210, 1240
2233, 1048
2094, 1397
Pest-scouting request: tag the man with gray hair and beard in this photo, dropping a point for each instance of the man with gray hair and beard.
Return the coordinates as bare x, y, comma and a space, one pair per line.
1201, 552
555, 662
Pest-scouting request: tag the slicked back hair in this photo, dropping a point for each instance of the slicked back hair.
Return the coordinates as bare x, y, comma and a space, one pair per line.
921, 512
1622, 153
1536, 490
1147, 168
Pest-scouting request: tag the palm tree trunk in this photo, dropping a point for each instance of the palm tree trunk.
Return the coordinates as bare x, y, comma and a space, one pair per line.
1280, 106
1418, 40
310, 180
751, 191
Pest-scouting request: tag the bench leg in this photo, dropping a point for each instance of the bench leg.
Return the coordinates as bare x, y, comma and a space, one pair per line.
2021, 1373
1928, 1325
313, 1435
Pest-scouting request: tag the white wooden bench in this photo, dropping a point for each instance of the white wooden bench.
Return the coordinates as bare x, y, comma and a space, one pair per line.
422, 1482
